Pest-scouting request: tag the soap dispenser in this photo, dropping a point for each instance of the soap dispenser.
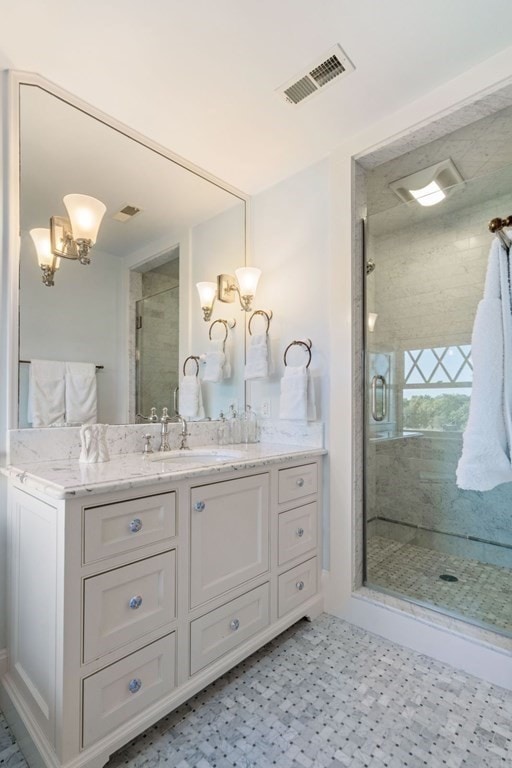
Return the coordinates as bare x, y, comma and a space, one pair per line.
223, 431
234, 423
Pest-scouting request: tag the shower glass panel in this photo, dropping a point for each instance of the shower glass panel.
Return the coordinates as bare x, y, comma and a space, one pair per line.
157, 350
427, 540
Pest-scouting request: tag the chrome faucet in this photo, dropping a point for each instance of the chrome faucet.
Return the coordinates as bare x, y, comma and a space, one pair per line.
164, 431
184, 432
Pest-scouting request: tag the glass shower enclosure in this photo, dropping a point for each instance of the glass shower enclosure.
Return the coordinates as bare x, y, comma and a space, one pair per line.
427, 540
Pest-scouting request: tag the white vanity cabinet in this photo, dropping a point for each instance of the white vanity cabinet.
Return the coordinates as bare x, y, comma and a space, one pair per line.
123, 604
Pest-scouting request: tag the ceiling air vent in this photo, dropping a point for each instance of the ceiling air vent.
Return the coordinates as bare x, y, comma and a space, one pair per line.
126, 213
322, 72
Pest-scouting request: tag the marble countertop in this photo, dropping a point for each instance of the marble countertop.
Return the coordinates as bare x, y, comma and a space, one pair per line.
68, 478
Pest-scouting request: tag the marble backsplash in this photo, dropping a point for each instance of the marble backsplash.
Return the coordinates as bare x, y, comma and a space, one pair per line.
414, 496
27, 445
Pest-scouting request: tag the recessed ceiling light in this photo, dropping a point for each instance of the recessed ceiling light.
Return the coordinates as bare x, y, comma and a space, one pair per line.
428, 186
429, 195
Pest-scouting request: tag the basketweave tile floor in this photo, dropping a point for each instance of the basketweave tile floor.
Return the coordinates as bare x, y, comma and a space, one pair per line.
329, 694
483, 591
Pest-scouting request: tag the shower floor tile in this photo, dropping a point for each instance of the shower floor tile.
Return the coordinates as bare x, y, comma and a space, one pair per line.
483, 592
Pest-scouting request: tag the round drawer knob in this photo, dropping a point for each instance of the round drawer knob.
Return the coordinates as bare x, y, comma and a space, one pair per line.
135, 525
135, 685
199, 506
234, 625
300, 585
300, 482
136, 602
300, 532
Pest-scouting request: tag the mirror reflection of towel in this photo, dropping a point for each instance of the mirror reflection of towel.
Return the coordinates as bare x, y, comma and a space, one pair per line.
191, 398
258, 357
81, 394
217, 366
46, 400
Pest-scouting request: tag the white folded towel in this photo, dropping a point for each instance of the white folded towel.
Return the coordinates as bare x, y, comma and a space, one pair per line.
217, 366
46, 399
297, 394
258, 357
81, 393
485, 461
191, 398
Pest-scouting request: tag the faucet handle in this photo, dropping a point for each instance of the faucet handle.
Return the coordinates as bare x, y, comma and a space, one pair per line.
153, 416
147, 445
165, 414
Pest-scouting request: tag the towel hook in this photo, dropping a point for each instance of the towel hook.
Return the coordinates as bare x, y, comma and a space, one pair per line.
267, 315
307, 344
227, 325
195, 358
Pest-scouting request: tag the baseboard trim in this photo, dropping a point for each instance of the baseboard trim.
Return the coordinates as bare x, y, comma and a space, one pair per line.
473, 656
3, 661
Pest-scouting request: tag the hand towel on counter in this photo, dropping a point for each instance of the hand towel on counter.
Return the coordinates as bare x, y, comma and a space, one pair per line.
258, 364
297, 394
81, 393
46, 393
191, 398
217, 366
485, 461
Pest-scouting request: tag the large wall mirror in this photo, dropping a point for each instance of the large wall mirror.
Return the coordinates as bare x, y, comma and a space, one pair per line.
134, 311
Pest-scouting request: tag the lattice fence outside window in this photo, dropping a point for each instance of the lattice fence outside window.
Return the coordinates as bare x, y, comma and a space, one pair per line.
438, 367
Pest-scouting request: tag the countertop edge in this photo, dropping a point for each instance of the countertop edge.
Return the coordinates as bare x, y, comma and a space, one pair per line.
31, 481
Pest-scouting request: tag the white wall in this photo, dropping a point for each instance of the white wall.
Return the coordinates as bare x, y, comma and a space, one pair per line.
291, 241
3, 366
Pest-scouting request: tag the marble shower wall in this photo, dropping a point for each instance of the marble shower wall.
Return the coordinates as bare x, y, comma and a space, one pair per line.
427, 284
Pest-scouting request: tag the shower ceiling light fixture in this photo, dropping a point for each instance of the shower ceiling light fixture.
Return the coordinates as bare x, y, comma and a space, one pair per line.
428, 186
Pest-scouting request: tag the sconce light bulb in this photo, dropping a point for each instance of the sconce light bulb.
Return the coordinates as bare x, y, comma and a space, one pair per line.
207, 294
85, 215
247, 278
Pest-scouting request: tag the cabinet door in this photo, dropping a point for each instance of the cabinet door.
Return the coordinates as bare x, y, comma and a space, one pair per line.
229, 535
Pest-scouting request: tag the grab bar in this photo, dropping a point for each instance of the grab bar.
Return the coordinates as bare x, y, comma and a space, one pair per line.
376, 416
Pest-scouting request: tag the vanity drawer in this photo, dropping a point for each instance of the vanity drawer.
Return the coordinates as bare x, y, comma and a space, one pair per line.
297, 532
225, 628
296, 586
127, 603
129, 686
111, 529
297, 482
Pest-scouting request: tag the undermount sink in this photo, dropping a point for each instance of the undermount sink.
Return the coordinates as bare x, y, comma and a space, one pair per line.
196, 455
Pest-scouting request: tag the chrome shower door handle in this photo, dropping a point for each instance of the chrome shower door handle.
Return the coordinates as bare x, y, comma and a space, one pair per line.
378, 415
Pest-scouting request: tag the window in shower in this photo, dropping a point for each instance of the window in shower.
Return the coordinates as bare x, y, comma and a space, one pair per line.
437, 388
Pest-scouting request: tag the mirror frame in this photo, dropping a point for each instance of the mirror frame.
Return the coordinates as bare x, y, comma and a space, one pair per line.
15, 79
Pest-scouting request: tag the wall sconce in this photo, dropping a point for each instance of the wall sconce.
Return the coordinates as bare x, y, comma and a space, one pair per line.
48, 262
372, 319
207, 295
227, 286
73, 238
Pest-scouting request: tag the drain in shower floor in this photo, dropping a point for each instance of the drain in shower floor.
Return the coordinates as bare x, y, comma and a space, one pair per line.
448, 577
